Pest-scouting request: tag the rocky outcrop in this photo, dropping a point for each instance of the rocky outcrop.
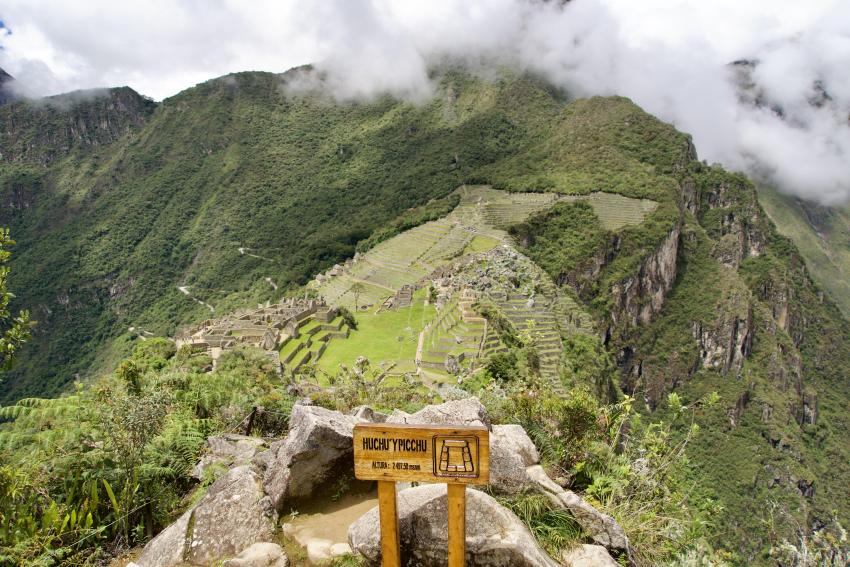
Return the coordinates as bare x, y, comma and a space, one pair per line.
262, 554
319, 447
602, 528
639, 297
239, 509
225, 451
234, 514
495, 537
724, 345
690, 197
78, 119
786, 309
515, 467
588, 556
727, 207
806, 412
468, 411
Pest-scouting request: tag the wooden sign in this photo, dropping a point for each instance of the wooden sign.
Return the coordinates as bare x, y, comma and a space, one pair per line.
418, 453
456, 455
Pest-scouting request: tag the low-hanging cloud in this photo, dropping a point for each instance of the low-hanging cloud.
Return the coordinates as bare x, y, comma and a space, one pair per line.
781, 113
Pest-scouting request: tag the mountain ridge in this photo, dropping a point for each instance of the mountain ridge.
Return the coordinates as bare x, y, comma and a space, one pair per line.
239, 181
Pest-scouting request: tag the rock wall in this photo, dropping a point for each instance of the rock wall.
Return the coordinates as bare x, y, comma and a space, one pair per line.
637, 298
83, 118
724, 345
728, 209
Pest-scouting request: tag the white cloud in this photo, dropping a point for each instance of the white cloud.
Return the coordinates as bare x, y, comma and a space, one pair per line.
670, 56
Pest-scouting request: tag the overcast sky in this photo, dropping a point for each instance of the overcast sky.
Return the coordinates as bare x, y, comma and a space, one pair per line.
670, 56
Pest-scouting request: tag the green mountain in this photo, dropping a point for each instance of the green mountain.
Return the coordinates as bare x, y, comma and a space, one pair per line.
585, 229
821, 233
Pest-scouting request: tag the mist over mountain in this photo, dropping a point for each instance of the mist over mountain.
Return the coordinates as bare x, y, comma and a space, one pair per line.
6, 81
672, 60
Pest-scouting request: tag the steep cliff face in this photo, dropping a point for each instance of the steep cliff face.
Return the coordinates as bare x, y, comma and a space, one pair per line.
45, 130
727, 207
637, 298
744, 319
781, 296
726, 342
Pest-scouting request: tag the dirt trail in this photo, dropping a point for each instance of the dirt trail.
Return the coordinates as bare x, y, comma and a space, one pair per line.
244, 252
184, 289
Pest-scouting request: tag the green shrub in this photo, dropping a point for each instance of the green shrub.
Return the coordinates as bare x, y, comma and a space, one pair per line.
503, 366
107, 465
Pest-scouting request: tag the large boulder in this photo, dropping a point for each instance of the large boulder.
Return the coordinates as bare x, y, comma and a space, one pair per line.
225, 451
588, 556
511, 453
232, 515
515, 466
602, 528
261, 554
319, 446
468, 411
495, 537
168, 547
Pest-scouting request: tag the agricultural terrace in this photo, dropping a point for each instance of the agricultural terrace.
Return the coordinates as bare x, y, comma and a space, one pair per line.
477, 224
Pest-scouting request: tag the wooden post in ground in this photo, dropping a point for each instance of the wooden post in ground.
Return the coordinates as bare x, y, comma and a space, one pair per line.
390, 554
456, 455
457, 524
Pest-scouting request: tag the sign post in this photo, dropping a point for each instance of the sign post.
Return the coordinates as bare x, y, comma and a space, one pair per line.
390, 453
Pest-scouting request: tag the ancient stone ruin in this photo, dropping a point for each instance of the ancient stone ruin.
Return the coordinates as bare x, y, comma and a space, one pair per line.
268, 328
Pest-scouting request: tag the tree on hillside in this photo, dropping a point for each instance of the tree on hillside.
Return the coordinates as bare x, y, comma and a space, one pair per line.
14, 331
357, 289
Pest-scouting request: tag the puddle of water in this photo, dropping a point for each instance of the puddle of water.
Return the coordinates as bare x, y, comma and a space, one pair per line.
329, 520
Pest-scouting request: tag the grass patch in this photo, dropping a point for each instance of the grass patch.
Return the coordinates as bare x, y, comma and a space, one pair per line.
290, 346
385, 337
481, 244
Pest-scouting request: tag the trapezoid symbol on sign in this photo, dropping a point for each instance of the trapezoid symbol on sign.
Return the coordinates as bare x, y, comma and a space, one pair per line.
455, 456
